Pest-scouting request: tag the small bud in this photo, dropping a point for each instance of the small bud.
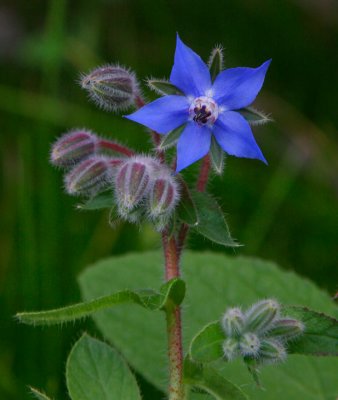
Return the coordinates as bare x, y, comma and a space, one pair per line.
163, 196
233, 322
261, 316
271, 351
90, 176
111, 87
286, 329
132, 182
230, 348
73, 147
249, 345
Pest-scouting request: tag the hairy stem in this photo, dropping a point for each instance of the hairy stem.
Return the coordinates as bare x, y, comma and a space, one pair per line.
204, 174
174, 325
107, 144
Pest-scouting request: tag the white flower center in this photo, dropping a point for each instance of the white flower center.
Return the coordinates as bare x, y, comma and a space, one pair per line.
203, 110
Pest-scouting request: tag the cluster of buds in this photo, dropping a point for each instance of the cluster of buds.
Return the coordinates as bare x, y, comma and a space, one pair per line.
145, 187
260, 334
111, 87
88, 170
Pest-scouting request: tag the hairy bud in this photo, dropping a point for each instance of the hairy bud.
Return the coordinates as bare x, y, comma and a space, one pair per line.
90, 176
271, 351
230, 348
111, 87
261, 316
233, 322
132, 182
249, 345
163, 196
286, 329
73, 147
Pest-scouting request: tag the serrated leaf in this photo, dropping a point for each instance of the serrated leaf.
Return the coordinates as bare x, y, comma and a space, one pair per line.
216, 156
215, 62
215, 282
207, 378
186, 210
171, 138
211, 220
163, 87
206, 346
173, 290
321, 333
253, 116
96, 371
39, 395
102, 200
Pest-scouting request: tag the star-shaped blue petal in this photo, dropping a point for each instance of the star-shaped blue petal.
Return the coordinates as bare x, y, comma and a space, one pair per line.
206, 108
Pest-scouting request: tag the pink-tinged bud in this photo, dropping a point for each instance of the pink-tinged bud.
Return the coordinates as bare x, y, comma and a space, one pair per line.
286, 329
90, 176
249, 345
73, 147
233, 322
163, 195
132, 182
261, 316
111, 87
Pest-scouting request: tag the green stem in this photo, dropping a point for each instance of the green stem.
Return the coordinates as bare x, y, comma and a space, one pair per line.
174, 325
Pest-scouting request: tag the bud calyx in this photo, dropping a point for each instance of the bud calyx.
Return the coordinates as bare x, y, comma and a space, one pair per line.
111, 87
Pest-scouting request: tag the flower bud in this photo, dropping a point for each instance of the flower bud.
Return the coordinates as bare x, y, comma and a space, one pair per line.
233, 322
271, 351
111, 87
261, 316
286, 329
163, 196
90, 176
132, 182
230, 348
73, 147
249, 344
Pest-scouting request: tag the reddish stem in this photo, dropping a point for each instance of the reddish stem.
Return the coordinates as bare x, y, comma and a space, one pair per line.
204, 174
174, 324
107, 144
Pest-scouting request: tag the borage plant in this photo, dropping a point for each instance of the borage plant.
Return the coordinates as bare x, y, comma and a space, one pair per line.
216, 350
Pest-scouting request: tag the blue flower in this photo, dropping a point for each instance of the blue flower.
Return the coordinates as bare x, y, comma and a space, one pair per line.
207, 108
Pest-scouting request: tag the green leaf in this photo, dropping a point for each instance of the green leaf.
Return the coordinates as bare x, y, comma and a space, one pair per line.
186, 210
207, 378
216, 62
163, 87
211, 223
102, 200
39, 395
214, 282
216, 156
173, 290
321, 333
171, 138
206, 346
96, 371
254, 117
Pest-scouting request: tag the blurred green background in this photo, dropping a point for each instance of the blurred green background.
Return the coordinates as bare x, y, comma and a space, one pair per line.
286, 212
